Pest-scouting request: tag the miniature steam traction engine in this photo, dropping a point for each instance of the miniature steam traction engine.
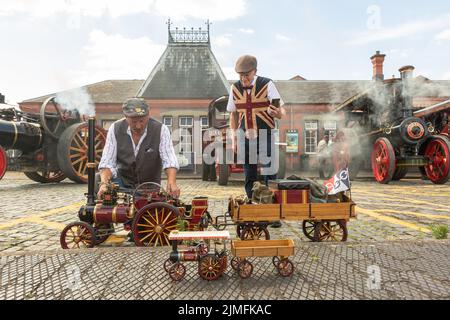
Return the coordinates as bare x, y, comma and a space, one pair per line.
47, 147
148, 211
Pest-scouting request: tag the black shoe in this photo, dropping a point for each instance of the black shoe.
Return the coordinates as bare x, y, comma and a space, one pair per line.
276, 224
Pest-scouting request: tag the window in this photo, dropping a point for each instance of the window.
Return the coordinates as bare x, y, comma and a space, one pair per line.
186, 127
107, 123
311, 130
330, 127
204, 123
168, 121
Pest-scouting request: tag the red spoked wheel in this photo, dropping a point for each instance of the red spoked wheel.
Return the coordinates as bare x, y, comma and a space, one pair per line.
3, 162
168, 264
235, 263
177, 271
255, 233
285, 268
73, 151
331, 231
210, 267
438, 153
153, 224
245, 269
77, 235
383, 161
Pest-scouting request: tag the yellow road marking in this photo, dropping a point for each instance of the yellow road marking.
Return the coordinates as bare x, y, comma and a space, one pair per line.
430, 216
401, 205
392, 220
115, 239
50, 224
35, 218
382, 195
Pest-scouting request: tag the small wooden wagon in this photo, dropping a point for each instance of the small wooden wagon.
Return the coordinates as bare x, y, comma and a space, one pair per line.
321, 221
279, 250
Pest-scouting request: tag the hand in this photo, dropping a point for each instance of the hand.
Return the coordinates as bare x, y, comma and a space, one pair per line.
274, 112
173, 190
102, 190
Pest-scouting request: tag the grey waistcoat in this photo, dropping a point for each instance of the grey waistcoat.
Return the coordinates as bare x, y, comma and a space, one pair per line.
147, 166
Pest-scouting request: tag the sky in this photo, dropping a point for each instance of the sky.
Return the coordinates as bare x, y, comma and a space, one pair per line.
54, 45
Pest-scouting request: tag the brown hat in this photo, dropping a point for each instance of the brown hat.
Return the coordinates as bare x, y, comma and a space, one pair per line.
135, 107
246, 64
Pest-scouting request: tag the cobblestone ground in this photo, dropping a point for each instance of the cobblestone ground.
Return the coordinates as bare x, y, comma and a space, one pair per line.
32, 216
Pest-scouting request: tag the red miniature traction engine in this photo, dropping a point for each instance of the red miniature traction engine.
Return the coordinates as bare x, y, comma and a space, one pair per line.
148, 211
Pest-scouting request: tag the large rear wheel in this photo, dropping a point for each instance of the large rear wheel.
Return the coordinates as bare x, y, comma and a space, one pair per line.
438, 153
73, 151
383, 161
3, 162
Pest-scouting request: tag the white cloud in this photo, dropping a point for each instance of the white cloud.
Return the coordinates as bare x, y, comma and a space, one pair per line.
46, 8
447, 76
217, 10
400, 31
112, 56
222, 40
403, 53
247, 31
282, 37
230, 73
444, 35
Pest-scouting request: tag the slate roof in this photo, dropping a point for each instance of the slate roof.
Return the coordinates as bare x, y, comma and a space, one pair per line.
109, 91
185, 71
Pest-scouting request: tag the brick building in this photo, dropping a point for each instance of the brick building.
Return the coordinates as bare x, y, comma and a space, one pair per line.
188, 77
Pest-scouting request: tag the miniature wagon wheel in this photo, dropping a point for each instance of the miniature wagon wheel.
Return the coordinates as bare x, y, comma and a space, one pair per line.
153, 224
383, 161
255, 233
285, 268
102, 232
73, 151
77, 235
177, 271
46, 176
235, 263
210, 267
245, 269
334, 231
438, 153
3, 162
308, 229
54, 118
149, 192
168, 264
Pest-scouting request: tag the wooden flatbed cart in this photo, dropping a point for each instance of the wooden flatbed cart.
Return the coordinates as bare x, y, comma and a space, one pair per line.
321, 221
212, 263
279, 250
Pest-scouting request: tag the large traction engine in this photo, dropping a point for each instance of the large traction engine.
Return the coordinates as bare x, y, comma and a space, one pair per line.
48, 147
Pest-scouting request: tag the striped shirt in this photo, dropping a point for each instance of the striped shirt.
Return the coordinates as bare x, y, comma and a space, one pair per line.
166, 150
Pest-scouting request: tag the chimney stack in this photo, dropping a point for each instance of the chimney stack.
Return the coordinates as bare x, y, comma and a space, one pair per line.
406, 72
2, 98
377, 61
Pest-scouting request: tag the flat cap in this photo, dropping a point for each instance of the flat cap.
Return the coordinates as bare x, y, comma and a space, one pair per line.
246, 64
135, 107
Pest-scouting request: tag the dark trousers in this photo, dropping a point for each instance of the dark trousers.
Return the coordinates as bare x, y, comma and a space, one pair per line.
251, 169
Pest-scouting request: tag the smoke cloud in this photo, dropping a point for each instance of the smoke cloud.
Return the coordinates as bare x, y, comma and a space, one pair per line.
77, 99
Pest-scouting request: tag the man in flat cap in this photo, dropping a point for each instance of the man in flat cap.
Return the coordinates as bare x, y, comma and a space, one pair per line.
253, 115
137, 149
